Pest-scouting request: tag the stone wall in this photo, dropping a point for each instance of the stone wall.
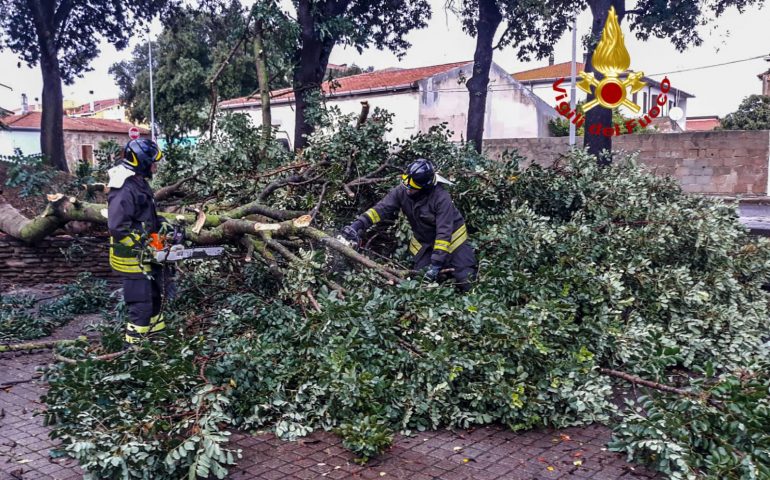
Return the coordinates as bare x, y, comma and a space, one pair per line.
46, 261
721, 162
73, 142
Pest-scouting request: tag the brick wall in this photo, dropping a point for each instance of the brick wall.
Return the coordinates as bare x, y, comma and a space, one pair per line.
22, 264
723, 162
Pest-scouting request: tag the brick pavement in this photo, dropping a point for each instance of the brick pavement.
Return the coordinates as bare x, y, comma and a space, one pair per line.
480, 454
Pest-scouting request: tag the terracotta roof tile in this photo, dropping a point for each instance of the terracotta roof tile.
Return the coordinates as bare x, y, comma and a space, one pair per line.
551, 71
31, 120
387, 78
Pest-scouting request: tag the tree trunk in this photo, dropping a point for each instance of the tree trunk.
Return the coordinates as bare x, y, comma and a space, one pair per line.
596, 144
488, 21
264, 83
313, 57
51, 124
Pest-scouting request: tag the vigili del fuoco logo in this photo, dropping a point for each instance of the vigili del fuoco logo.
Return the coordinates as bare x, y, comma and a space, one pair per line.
611, 59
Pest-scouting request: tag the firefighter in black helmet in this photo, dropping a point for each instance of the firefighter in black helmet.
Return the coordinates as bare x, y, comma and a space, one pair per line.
439, 238
132, 217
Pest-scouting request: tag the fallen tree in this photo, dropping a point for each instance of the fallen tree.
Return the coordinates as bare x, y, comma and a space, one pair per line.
586, 274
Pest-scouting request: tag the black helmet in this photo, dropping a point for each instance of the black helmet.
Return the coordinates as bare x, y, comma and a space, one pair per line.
139, 155
420, 174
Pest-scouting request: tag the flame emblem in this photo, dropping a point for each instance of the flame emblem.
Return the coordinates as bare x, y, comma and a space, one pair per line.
611, 59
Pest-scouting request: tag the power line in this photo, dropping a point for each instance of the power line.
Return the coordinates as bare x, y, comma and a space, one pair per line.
706, 66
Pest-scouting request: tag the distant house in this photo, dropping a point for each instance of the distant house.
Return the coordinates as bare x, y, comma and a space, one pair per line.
703, 124
765, 77
540, 81
110, 109
420, 98
81, 135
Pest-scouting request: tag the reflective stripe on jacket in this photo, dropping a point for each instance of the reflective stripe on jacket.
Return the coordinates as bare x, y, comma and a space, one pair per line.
131, 215
436, 223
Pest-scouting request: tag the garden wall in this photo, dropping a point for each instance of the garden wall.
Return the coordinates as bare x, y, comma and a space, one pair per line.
48, 261
721, 162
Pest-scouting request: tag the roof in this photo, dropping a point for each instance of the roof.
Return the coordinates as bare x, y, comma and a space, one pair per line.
703, 124
558, 70
31, 121
99, 105
388, 79
562, 70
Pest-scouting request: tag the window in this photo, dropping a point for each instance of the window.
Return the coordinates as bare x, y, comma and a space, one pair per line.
644, 101
636, 94
87, 153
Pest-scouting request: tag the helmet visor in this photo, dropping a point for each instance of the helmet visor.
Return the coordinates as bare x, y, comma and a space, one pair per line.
409, 182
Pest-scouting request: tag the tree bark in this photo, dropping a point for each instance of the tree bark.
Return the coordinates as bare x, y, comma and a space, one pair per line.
51, 123
264, 83
599, 145
486, 26
313, 57
39, 345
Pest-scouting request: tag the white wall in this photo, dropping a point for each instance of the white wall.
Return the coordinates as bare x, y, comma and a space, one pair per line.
511, 112
403, 105
27, 141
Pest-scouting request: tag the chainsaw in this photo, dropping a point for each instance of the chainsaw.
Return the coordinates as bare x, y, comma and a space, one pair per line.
170, 248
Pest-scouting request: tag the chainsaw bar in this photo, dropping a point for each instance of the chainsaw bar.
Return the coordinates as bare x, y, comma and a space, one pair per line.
178, 252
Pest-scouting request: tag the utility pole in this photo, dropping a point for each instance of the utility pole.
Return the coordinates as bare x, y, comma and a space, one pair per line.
573, 73
152, 92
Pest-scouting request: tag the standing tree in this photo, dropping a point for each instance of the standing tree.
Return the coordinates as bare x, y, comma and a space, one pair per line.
275, 39
752, 114
196, 45
531, 26
677, 21
359, 23
45, 31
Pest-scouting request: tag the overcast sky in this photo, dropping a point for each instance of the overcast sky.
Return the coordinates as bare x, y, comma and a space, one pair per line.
717, 90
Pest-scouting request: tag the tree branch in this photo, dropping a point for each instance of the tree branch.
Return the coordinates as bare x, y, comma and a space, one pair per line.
165, 192
647, 383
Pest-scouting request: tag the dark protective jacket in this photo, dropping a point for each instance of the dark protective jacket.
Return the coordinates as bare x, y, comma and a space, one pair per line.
436, 223
131, 215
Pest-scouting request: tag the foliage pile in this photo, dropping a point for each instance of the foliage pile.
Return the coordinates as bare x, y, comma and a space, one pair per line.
28, 174
21, 318
582, 269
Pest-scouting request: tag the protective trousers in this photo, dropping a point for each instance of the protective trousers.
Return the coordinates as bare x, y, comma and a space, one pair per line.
462, 261
143, 298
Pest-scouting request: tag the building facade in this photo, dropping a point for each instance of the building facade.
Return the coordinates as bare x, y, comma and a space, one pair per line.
419, 98
81, 135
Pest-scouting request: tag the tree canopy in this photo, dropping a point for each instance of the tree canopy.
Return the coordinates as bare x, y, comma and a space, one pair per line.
752, 114
193, 46
45, 32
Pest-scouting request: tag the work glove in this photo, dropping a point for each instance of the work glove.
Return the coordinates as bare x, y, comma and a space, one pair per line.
178, 235
351, 235
432, 273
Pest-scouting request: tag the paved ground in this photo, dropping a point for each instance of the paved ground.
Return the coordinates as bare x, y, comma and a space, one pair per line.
480, 454
756, 216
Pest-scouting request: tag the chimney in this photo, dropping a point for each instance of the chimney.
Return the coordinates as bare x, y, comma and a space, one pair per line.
550, 59
24, 104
